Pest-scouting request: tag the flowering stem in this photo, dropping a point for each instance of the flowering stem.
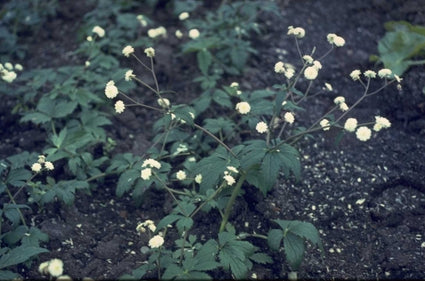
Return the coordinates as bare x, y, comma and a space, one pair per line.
231, 201
14, 202
215, 138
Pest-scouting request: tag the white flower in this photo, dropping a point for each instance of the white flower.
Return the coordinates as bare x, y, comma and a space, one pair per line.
150, 52
339, 100
355, 74
198, 178
147, 223
119, 106
146, 174
128, 50
336, 40
397, 78
55, 267
385, 73
89, 38
363, 133
298, 32
243, 107
380, 123
179, 34
290, 71
155, 32
325, 124
343, 106
99, 31
261, 127
238, 92
370, 73
156, 241
152, 163
310, 73
163, 102
42, 268
49, 165
36, 167
279, 67
289, 117
142, 20
229, 179
87, 63
350, 124
308, 59
194, 33
317, 65
111, 91
8, 76
8, 66
234, 85
232, 169
328, 87
18, 67
129, 75
181, 175
41, 159
183, 16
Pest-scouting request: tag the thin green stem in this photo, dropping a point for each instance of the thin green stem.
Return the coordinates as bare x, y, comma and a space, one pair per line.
215, 138
231, 201
19, 211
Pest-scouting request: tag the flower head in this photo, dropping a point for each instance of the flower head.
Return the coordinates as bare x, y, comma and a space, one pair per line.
385, 73
99, 31
146, 174
325, 124
279, 67
369, 74
363, 133
343, 106
156, 241
111, 91
163, 102
181, 175
336, 40
243, 107
308, 59
155, 32
234, 85
8, 66
339, 100
289, 117
41, 159
194, 33
317, 65
147, 223
55, 267
18, 67
232, 169
328, 87
350, 124
36, 167
178, 34
152, 163
8, 76
150, 52
229, 179
129, 75
381, 123
42, 268
298, 32
142, 20
128, 50
311, 73
183, 16
355, 74
261, 127
119, 106
198, 178
49, 165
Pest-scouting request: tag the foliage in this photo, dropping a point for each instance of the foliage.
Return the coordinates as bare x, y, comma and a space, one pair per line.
401, 45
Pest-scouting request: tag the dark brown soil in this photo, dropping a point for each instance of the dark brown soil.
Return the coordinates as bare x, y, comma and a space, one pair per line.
367, 199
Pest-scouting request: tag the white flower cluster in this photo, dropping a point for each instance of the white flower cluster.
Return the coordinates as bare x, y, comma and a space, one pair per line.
156, 32
38, 166
99, 31
336, 40
150, 52
184, 16
363, 133
7, 71
181, 175
128, 50
384, 73
230, 180
289, 117
142, 20
341, 102
156, 241
194, 33
298, 32
312, 71
261, 127
285, 68
148, 164
141, 227
54, 267
243, 107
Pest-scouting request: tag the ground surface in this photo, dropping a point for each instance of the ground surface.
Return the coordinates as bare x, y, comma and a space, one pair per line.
367, 199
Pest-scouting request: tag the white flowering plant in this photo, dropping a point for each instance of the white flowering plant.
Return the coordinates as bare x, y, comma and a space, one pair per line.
203, 163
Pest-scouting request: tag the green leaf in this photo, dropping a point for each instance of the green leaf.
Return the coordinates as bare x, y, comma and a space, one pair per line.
18, 177
184, 224
222, 98
19, 255
269, 171
294, 250
169, 219
204, 60
126, 181
57, 140
261, 258
36, 118
306, 230
274, 238
172, 271
8, 275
